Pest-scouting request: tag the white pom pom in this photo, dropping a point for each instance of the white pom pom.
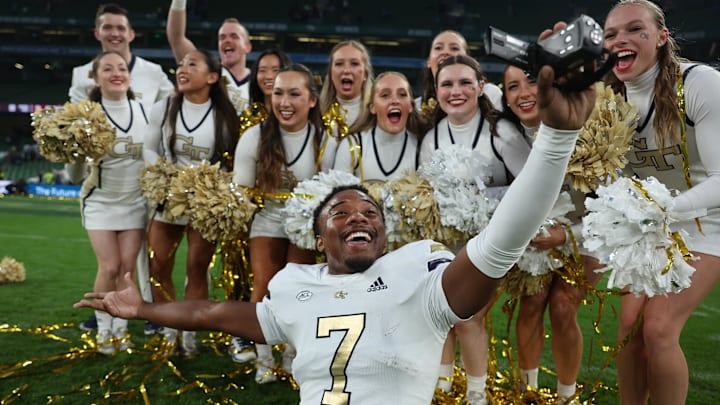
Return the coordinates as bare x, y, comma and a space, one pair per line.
299, 209
458, 176
627, 228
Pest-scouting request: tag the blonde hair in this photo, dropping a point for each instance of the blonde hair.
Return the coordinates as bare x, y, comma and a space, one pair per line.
667, 116
416, 124
328, 94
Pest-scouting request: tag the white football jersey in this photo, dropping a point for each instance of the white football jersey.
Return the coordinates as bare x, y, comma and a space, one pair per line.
374, 337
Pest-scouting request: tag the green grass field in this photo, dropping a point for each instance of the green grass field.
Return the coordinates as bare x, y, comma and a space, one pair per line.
44, 358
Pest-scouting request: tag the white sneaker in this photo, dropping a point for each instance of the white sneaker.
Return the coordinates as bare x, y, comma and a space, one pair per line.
476, 398
122, 337
105, 342
288, 357
241, 351
189, 344
264, 375
168, 344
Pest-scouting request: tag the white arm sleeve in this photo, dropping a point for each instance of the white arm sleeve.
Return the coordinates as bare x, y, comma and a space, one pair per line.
245, 158
525, 205
702, 97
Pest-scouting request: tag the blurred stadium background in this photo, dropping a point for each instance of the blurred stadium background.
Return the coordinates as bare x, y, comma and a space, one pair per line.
42, 40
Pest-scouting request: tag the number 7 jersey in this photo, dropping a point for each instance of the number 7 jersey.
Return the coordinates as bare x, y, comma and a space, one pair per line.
367, 338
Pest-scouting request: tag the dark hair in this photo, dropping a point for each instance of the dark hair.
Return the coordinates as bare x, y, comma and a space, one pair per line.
507, 113
227, 126
271, 153
335, 191
95, 93
486, 107
111, 8
256, 93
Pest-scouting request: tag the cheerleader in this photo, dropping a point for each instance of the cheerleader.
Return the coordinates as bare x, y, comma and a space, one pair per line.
113, 208
198, 123
272, 158
388, 143
675, 142
472, 121
562, 298
348, 81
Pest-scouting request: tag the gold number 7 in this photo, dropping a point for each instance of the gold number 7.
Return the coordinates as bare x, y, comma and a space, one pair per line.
353, 326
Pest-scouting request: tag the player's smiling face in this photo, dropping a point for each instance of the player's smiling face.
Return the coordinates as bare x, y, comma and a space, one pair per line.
352, 232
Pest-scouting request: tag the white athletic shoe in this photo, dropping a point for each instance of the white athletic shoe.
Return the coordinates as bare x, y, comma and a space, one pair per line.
122, 337
241, 351
288, 357
105, 342
476, 398
189, 344
263, 372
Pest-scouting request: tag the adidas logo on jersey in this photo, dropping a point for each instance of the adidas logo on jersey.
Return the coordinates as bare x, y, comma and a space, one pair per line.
378, 285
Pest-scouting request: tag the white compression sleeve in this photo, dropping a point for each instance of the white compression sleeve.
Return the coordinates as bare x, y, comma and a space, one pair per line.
525, 205
178, 4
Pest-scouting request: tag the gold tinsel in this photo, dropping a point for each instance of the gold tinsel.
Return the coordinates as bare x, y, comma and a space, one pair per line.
11, 271
73, 132
428, 107
252, 116
605, 139
216, 207
155, 181
412, 197
520, 283
334, 121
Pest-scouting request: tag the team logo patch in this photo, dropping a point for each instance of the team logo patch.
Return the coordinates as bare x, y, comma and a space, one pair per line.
377, 285
304, 295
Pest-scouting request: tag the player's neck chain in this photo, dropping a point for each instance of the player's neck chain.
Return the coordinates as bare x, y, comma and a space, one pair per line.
182, 118
387, 173
477, 133
125, 130
307, 138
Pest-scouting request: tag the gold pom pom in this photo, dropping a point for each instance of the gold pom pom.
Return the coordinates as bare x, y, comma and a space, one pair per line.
11, 271
605, 139
216, 207
155, 181
73, 132
420, 214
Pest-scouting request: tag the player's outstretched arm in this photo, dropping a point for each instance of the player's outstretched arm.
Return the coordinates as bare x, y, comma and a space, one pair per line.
234, 317
470, 280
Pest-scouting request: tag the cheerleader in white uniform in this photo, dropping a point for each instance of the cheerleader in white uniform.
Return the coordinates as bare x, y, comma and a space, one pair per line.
472, 121
561, 298
349, 82
197, 124
272, 158
648, 71
113, 208
388, 144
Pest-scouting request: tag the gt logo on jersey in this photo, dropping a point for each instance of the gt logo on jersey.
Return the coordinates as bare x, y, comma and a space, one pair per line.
653, 157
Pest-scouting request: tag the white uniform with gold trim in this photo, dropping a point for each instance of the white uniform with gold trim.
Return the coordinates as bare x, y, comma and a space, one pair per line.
702, 101
368, 338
